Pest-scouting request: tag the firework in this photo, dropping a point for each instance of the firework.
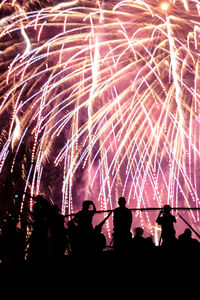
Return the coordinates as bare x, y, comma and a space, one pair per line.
101, 99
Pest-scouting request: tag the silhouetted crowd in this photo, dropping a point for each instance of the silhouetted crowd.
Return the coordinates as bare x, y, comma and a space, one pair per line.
44, 237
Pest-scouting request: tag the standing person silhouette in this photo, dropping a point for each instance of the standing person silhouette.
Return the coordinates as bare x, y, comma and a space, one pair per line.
122, 221
58, 235
166, 220
83, 219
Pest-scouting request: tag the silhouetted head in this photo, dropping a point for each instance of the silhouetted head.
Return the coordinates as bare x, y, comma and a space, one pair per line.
139, 231
97, 229
167, 209
86, 204
41, 206
39, 198
188, 233
122, 202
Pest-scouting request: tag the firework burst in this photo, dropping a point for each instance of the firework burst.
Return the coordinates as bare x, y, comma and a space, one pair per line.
101, 99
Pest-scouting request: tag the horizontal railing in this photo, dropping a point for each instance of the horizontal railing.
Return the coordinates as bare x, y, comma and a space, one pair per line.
139, 209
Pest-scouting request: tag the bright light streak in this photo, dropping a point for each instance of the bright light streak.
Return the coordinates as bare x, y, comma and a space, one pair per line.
17, 132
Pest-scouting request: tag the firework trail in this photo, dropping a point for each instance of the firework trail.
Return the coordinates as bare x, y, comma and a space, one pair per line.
101, 99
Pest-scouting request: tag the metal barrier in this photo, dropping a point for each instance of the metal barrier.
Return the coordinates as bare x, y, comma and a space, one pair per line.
145, 218
186, 217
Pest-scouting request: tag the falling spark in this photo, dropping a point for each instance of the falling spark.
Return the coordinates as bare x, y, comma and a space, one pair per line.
16, 132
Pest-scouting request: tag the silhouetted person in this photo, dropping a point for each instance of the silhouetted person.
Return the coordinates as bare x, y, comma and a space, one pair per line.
186, 242
122, 221
167, 220
57, 232
43, 204
38, 251
83, 220
99, 238
138, 241
84, 217
72, 238
12, 242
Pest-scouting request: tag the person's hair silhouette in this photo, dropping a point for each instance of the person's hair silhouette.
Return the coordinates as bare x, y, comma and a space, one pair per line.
138, 241
84, 217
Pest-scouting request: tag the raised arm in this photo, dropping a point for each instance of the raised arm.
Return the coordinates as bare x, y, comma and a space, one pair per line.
158, 217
